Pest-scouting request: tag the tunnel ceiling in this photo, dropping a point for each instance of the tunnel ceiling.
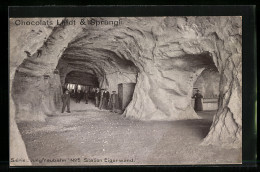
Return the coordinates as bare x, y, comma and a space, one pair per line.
165, 41
95, 50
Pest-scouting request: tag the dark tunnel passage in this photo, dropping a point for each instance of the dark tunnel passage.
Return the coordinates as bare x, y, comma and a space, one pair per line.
81, 86
81, 78
83, 73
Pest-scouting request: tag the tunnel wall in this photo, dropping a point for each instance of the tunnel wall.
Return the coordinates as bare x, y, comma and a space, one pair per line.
27, 39
36, 89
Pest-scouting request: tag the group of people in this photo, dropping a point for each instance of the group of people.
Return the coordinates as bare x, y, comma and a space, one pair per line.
80, 94
103, 99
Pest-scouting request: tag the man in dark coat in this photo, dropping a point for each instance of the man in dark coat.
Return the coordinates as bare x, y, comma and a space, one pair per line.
78, 96
101, 98
198, 101
66, 101
86, 94
97, 97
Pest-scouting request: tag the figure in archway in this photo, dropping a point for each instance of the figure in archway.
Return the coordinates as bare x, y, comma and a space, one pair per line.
105, 99
86, 95
66, 101
97, 97
78, 96
101, 98
198, 101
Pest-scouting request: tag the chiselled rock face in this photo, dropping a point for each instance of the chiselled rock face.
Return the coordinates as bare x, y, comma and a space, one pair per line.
164, 56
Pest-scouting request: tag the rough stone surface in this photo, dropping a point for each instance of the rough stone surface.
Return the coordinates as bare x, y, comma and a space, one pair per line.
163, 55
27, 39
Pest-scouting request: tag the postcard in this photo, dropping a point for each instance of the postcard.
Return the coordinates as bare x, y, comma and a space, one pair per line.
105, 91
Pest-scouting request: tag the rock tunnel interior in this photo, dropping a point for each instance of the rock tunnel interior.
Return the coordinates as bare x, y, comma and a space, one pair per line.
164, 71
101, 69
106, 70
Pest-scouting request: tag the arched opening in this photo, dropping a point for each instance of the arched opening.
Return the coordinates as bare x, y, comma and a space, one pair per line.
208, 86
97, 68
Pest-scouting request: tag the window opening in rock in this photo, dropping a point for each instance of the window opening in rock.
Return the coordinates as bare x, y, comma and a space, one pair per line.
207, 85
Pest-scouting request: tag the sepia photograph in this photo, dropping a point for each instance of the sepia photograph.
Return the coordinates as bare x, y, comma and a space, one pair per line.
105, 91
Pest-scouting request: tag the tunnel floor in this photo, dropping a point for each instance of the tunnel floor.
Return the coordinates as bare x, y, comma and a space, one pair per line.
87, 135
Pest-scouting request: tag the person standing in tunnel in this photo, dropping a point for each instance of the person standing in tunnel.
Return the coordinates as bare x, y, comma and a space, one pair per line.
97, 97
198, 101
78, 96
66, 101
81, 95
63, 88
104, 103
86, 95
101, 98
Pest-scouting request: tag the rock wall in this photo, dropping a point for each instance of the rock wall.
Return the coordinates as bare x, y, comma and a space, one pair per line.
22, 40
167, 53
36, 88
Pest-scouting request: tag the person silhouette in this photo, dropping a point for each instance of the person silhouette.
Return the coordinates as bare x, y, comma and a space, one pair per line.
198, 101
66, 101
